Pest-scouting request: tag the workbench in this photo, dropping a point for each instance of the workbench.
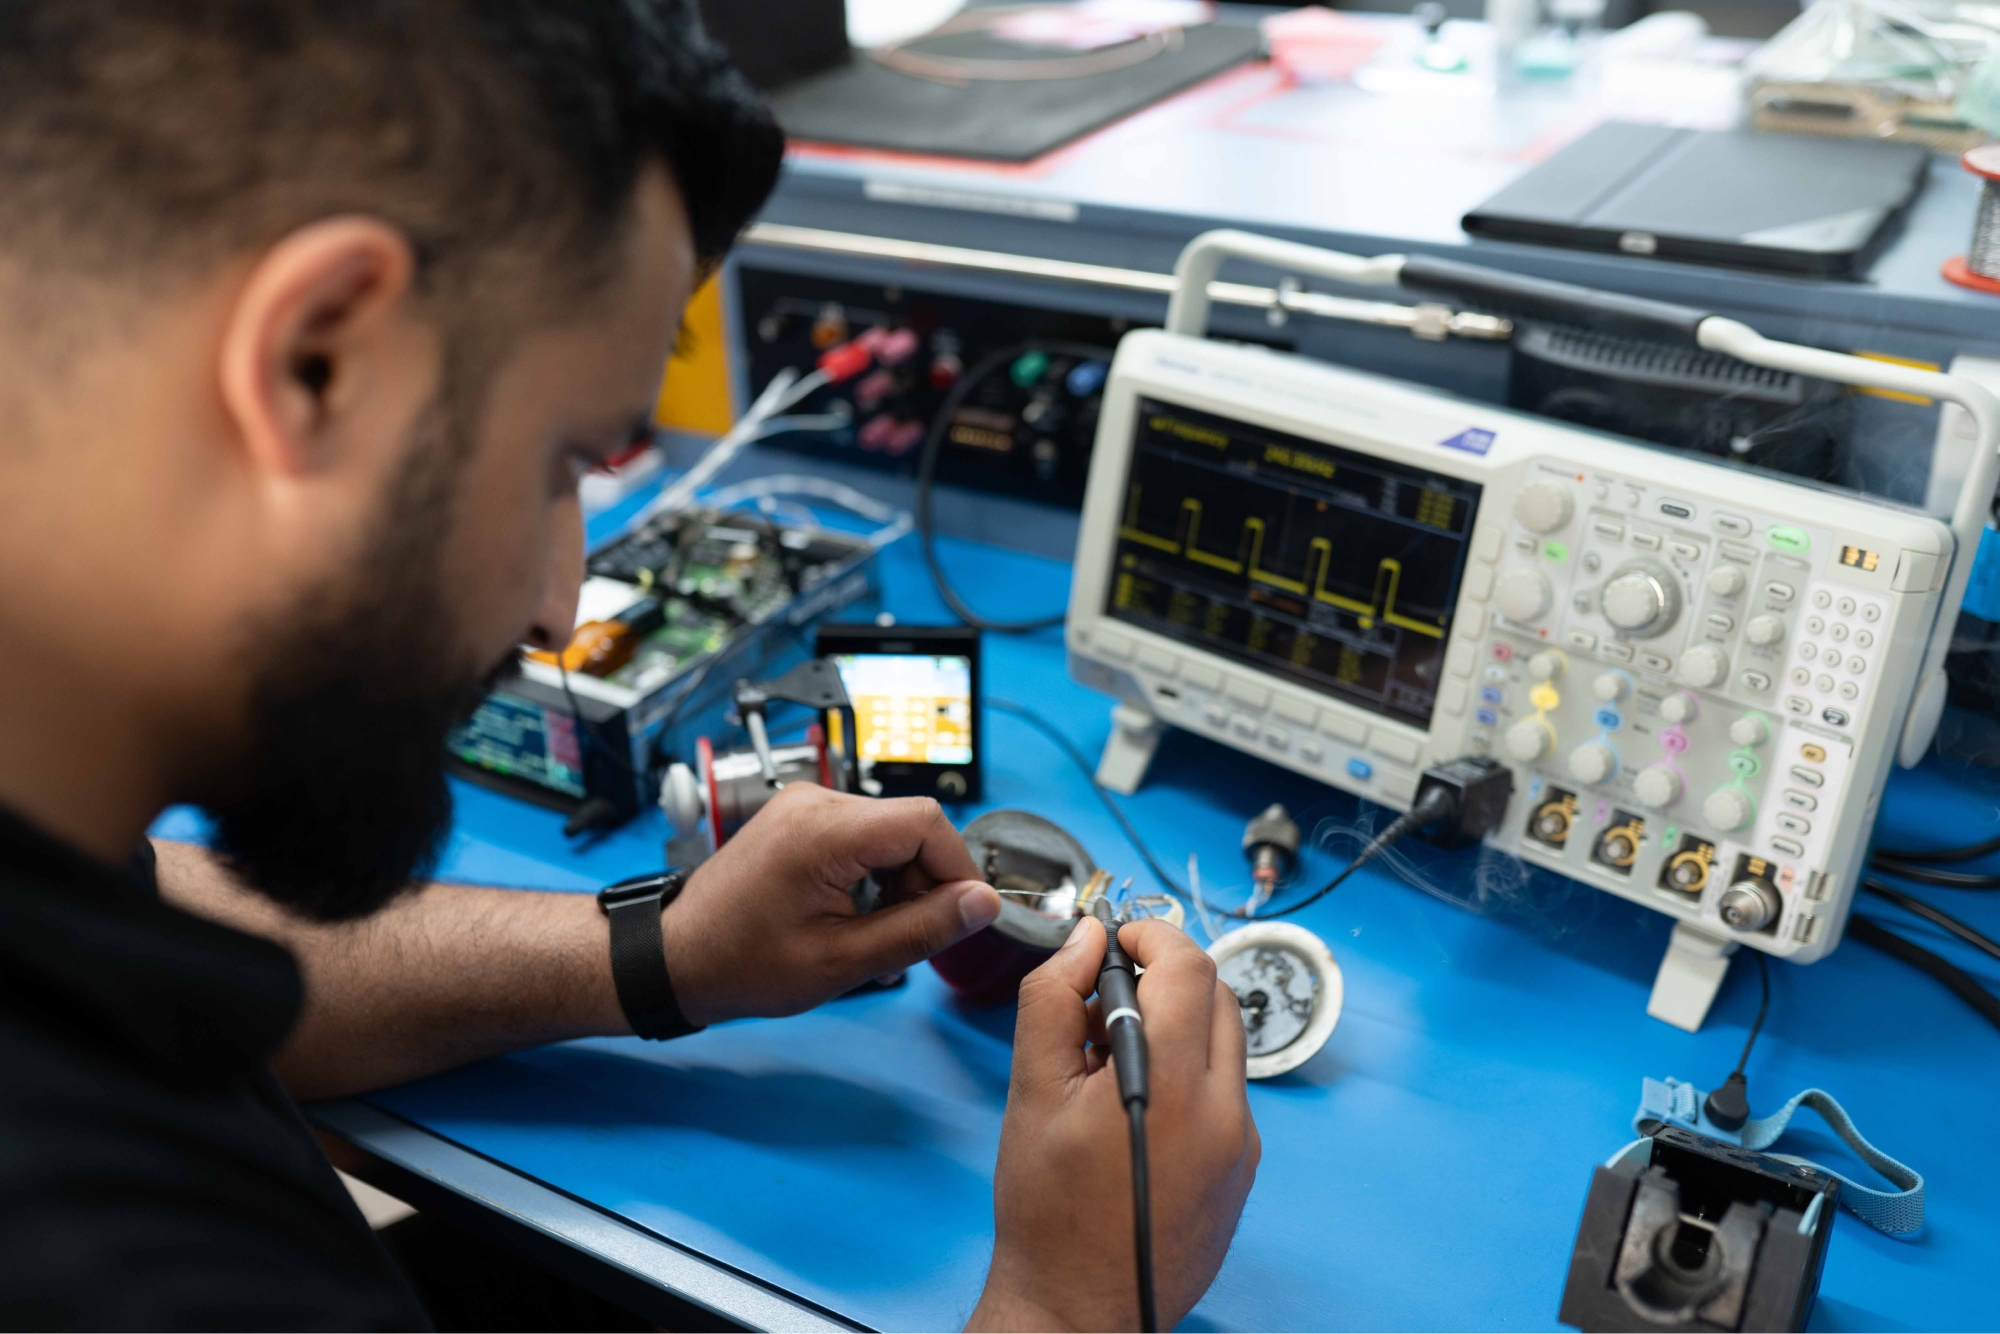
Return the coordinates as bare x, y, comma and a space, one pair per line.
1426, 1170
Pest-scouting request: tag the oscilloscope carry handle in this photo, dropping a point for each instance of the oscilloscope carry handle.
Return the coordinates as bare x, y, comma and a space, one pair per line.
1201, 261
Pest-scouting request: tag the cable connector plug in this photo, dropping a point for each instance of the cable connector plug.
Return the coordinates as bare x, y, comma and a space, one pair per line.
1271, 842
1462, 800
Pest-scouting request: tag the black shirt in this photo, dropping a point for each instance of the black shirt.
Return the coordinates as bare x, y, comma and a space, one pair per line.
153, 1172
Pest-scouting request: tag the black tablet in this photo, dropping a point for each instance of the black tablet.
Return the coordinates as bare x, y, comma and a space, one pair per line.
916, 694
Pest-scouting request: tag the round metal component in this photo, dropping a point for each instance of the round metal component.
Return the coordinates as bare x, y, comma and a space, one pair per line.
1749, 905
1688, 872
1289, 988
1546, 665
1543, 507
1592, 762
1551, 823
1704, 665
1657, 786
1749, 730
1726, 581
1764, 631
1030, 852
1530, 739
1642, 599
1728, 808
1523, 594
1610, 686
1678, 707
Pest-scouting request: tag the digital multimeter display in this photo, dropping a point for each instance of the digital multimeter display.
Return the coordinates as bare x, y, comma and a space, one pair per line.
1318, 564
910, 707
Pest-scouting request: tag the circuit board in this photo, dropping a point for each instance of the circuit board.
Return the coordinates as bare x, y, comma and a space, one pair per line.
671, 613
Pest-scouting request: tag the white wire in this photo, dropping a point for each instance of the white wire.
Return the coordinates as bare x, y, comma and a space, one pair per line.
895, 523
786, 388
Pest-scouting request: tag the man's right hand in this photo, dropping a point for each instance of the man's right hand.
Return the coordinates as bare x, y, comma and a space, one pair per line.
1062, 1195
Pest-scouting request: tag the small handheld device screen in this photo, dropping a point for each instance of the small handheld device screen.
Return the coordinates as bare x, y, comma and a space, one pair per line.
916, 694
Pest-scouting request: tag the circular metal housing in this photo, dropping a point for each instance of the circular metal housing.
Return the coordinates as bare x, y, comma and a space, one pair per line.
1748, 905
1289, 988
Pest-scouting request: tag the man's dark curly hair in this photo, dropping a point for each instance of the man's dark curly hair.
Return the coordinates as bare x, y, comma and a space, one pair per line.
151, 139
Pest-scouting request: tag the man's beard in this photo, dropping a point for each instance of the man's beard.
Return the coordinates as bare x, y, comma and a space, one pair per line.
346, 804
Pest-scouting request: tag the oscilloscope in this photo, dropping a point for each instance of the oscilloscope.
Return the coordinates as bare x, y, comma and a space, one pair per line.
1698, 675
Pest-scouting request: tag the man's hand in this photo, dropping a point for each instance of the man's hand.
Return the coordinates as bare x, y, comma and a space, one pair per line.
766, 927
1062, 1196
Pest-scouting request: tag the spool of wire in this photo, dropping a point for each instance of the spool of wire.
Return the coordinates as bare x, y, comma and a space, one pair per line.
1979, 267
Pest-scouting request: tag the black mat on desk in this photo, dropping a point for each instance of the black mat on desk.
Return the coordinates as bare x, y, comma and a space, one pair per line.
869, 105
1785, 203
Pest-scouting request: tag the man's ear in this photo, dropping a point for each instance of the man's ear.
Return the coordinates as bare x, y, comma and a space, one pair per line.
316, 310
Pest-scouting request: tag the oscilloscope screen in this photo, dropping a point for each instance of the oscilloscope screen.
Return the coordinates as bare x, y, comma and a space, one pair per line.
1314, 563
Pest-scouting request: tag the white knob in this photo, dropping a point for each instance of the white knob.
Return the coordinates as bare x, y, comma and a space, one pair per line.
1610, 686
1546, 665
1657, 787
1642, 599
1725, 581
1678, 707
1523, 594
1704, 665
1592, 762
1529, 740
1728, 808
1749, 730
1543, 507
1764, 630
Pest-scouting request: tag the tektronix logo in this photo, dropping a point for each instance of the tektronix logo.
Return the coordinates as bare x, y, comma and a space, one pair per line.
1472, 441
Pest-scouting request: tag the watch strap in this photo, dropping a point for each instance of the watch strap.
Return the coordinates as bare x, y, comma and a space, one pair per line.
638, 954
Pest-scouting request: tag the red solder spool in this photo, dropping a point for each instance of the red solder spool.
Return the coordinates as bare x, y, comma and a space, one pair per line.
1979, 267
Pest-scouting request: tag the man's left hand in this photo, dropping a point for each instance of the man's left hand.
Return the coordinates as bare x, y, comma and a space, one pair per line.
766, 926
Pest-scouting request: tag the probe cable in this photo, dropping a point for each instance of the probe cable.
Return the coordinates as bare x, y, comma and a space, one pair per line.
1125, 1034
1871, 932
954, 400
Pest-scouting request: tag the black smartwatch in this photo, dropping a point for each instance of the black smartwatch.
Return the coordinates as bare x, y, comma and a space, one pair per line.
639, 956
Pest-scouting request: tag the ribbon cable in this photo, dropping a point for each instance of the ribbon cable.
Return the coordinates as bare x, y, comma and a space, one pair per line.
1896, 1212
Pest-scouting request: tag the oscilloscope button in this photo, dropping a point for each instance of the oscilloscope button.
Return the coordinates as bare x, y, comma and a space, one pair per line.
1543, 507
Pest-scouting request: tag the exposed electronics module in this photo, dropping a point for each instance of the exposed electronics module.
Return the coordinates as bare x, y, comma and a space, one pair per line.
1698, 675
670, 614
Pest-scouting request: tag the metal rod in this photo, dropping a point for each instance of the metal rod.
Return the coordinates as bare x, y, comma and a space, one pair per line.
1424, 320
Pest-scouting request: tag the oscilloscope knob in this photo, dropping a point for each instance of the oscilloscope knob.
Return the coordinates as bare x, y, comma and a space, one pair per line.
1725, 581
1530, 739
1728, 808
1543, 507
1592, 762
1657, 786
1523, 594
1764, 630
1642, 599
1704, 665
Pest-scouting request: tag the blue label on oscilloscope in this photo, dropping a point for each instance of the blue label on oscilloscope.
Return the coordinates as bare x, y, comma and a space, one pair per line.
1472, 441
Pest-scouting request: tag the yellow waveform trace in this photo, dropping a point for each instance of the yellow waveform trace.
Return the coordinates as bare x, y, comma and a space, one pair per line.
1250, 550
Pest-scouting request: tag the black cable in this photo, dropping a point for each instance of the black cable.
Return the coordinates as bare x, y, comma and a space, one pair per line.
1729, 1105
1763, 1008
954, 399
1068, 747
1142, 1216
1964, 854
1931, 875
1434, 805
1936, 916
1870, 932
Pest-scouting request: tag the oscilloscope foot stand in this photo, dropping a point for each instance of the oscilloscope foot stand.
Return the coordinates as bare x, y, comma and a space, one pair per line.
1135, 735
1690, 974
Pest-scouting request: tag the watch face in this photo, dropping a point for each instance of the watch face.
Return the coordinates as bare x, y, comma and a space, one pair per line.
638, 889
